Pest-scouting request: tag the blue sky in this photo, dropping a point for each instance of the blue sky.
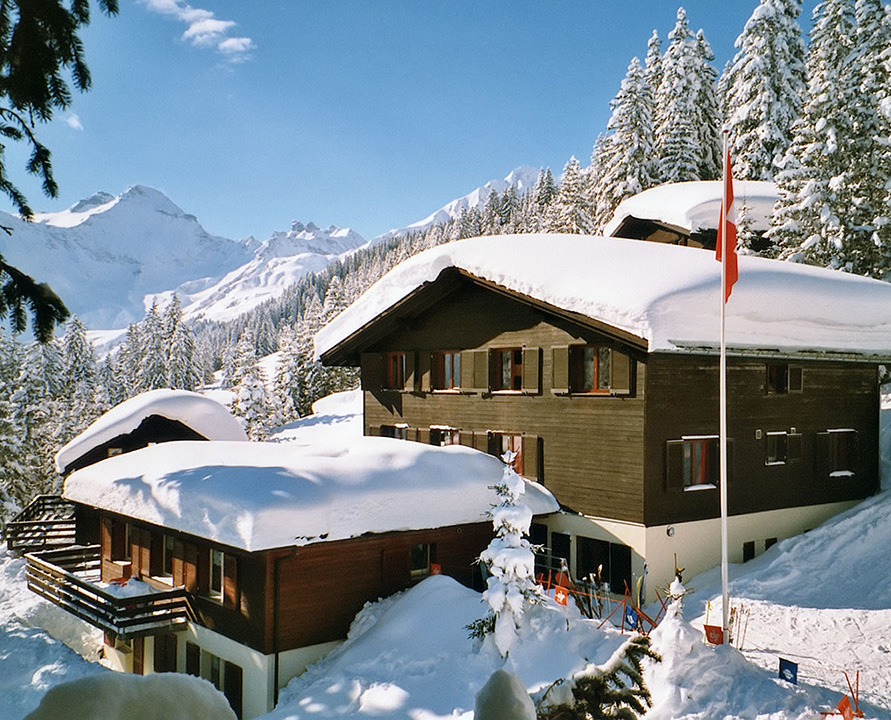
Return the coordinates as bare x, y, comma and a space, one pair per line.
362, 114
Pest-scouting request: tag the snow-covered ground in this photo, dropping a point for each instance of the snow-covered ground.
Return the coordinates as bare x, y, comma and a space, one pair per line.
822, 599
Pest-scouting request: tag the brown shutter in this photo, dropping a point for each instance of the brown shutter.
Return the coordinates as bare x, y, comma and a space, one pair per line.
424, 435
465, 437
793, 446
821, 456
531, 459
481, 441
203, 570
560, 370
674, 465
412, 381
372, 371
475, 370
372, 431
230, 581
620, 373
532, 370
425, 371
190, 567
140, 552
796, 379
179, 569
138, 656
156, 556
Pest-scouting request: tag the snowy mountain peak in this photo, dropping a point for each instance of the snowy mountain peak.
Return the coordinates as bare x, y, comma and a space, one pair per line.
92, 202
522, 179
310, 238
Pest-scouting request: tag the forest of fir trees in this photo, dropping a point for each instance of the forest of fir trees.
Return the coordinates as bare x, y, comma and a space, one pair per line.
813, 117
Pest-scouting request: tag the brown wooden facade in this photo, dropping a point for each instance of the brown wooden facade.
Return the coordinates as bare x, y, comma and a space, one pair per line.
615, 453
277, 600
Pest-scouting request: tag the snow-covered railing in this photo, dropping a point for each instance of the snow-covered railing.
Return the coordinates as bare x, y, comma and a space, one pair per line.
48, 521
68, 579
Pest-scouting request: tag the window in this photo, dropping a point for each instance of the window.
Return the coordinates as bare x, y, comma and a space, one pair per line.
842, 447
501, 444
589, 367
399, 432
167, 562
396, 370
610, 562
783, 379
420, 558
446, 370
693, 463
782, 447
193, 659
442, 436
508, 369
748, 550
216, 575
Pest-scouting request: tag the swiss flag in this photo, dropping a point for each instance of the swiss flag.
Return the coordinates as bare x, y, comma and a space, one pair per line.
561, 594
726, 244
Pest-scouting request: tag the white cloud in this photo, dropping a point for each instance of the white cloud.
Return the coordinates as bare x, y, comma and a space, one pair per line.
73, 121
204, 29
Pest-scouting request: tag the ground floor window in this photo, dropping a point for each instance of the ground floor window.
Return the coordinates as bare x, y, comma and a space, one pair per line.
399, 432
422, 557
693, 462
603, 563
227, 677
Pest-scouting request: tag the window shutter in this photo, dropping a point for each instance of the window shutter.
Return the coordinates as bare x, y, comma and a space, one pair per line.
372, 371
483, 441
156, 554
821, 456
230, 581
620, 373
674, 465
793, 446
465, 437
796, 379
372, 431
475, 370
425, 371
140, 552
106, 534
179, 568
424, 435
531, 457
411, 372
203, 570
532, 370
560, 370
190, 567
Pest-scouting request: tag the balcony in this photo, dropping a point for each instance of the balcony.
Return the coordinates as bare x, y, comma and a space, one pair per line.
70, 578
47, 522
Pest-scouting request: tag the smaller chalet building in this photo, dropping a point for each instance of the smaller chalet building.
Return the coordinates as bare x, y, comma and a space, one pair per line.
597, 361
244, 562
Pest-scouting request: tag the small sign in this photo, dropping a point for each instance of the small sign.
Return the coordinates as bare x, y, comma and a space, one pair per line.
789, 671
561, 595
630, 617
714, 634
435, 569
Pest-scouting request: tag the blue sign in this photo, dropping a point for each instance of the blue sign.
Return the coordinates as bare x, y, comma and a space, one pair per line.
630, 617
789, 671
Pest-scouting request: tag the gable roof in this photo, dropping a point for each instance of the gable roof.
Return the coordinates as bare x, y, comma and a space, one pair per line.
258, 496
696, 205
666, 296
205, 416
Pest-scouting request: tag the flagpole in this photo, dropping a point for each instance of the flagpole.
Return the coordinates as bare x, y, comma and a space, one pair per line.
725, 595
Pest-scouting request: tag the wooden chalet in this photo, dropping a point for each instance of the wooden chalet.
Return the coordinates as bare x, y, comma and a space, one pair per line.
245, 562
595, 360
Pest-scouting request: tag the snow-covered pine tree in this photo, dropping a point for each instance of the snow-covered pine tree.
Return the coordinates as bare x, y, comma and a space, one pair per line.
286, 385
677, 131
571, 210
152, 371
14, 490
80, 381
540, 198
129, 358
510, 561
764, 88
250, 400
818, 218
709, 115
183, 367
627, 156
653, 64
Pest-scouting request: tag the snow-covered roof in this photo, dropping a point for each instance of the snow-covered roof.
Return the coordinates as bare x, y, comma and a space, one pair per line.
666, 295
258, 496
205, 416
696, 205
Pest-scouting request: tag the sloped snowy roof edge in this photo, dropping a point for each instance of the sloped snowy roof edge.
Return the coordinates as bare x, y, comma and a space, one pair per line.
204, 415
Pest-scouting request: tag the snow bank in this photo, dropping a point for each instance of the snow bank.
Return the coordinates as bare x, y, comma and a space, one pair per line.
258, 496
203, 415
122, 696
335, 419
666, 295
696, 205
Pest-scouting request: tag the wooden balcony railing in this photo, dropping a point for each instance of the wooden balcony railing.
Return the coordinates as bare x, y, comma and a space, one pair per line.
48, 521
68, 578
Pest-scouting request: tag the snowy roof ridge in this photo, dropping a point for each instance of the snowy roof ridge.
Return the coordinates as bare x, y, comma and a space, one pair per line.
667, 295
258, 496
204, 415
695, 205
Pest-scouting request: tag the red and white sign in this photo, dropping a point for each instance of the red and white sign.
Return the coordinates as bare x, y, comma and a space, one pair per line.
435, 569
561, 595
714, 634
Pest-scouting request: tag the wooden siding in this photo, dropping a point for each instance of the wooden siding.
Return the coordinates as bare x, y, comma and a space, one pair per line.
682, 393
591, 446
322, 586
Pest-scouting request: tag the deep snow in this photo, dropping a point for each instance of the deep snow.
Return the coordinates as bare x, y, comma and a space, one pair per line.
820, 599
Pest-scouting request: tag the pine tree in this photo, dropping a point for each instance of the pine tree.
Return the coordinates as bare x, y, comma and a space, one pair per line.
80, 374
709, 116
764, 87
627, 153
543, 193
510, 561
183, 368
678, 133
571, 210
286, 385
250, 400
152, 370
